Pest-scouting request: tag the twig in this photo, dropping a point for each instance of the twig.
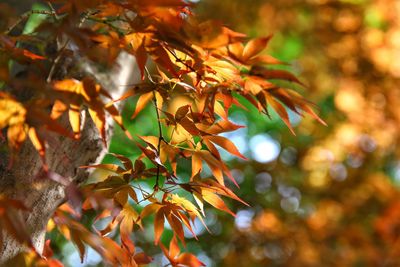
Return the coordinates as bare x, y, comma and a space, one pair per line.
108, 22
160, 133
61, 52
170, 189
55, 62
145, 197
52, 10
181, 61
160, 138
26, 15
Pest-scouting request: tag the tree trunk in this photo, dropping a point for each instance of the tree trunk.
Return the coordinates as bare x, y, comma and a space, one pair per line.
63, 156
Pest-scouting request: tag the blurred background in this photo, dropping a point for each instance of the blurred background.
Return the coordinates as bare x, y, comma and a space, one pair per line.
329, 196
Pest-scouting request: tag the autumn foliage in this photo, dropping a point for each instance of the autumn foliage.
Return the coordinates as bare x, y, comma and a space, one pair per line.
213, 67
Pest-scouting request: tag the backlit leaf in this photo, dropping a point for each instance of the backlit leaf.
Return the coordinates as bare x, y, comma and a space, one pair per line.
142, 102
255, 46
158, 225
226, 144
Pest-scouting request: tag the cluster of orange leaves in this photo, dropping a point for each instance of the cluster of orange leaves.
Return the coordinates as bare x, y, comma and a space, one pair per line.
205, 61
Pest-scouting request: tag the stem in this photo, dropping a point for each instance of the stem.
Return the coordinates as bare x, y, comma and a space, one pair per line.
160, 138
55, 62
52, 10
148, 195
160, 134
183, 148
108, 22
181, 61
61, 52
170, 189
26, 15
172, 134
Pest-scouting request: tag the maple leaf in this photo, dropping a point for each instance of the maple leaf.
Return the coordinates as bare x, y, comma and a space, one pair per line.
77, 93
249, 54
33, 259
180, 259
25, 120
12, 221
128, 172
109, 9
272, 74
142, 102
223, 142
213, 160
126, 218
135, 44
208, 190
222, 71
167, 151
13, 115
114, 187
23, 56
211, 34
213, 126
107, 248
295, 101
174, 209
46, 258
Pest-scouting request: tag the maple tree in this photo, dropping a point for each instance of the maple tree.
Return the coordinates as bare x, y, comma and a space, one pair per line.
46, 102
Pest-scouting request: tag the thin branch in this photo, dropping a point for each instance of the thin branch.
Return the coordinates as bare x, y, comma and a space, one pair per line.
53, 10
149, 76
140, 189
108, 22
181, 61
160, 133
26, 15
170, 189
55, 62
145, 197
183, 148
160, 138
61, 52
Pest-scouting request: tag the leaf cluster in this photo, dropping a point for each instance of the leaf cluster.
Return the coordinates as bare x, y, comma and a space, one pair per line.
208, 64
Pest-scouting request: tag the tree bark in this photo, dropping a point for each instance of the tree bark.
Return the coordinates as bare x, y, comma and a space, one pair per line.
63, 156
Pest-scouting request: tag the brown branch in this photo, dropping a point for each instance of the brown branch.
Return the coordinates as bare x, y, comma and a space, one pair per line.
26, 15
62, 50
181, 61
160, 133
160, 138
